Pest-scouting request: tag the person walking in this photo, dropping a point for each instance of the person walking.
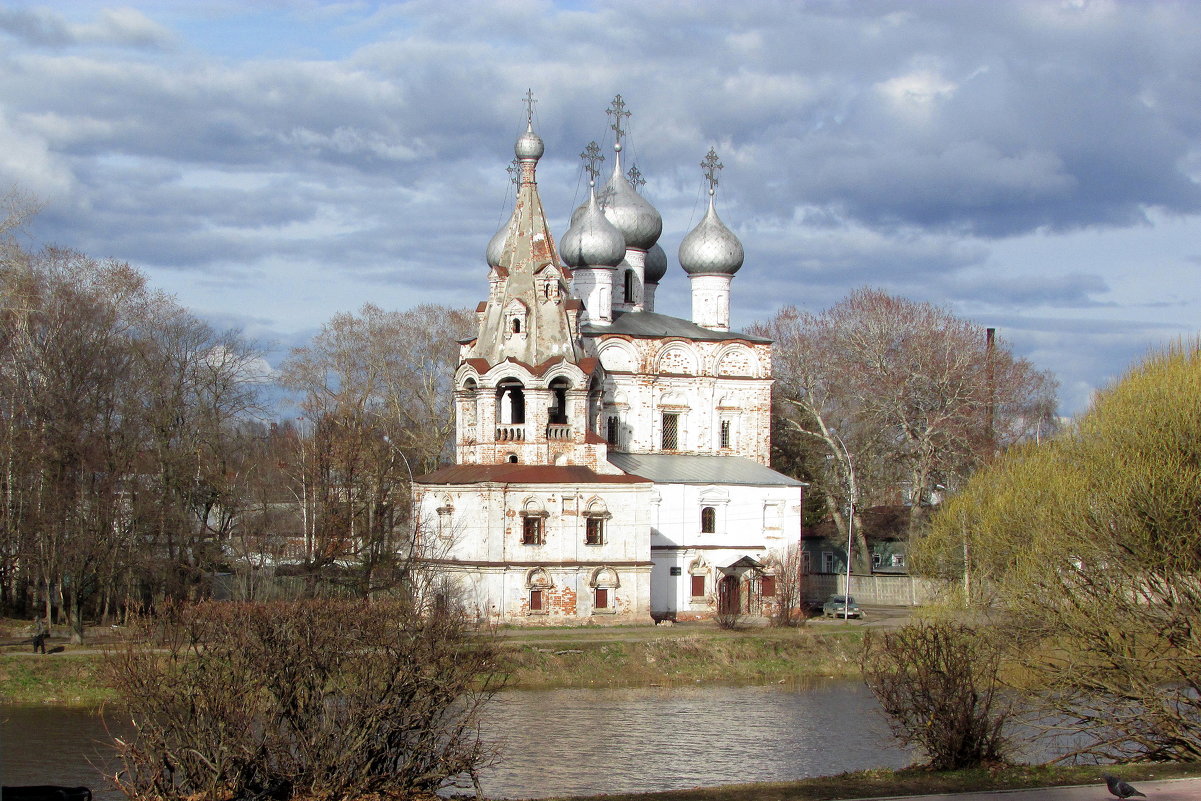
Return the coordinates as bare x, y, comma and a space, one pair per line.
39, 636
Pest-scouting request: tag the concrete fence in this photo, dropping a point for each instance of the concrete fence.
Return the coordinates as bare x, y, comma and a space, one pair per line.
879, 589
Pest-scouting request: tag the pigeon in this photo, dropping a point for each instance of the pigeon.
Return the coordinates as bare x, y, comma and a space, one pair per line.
1120, 788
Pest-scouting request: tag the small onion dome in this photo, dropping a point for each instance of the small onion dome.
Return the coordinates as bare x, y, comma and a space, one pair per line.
529, 145
592, 241
637, 220
496, 245
711, 248
655, 265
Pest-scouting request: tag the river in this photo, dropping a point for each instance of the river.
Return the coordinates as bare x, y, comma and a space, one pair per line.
571, 742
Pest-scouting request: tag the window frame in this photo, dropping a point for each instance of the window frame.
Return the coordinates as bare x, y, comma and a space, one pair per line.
592, 522
538, 608
533, 530
674, 429
708, 519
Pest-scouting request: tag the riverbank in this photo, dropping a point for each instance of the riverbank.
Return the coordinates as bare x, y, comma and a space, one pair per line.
539, 659
874, 784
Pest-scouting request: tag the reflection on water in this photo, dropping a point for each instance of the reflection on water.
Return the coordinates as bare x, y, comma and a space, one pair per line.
572, 742
576, 742
55, 745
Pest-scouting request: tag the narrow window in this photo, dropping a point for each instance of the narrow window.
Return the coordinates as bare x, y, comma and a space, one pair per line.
629, 286
602, 598
531, 530
767, 585
806, 563
725, 434
671, 431
877, 560
708, 520
698, 586
611, 431
827, 561
535, 600
594, 531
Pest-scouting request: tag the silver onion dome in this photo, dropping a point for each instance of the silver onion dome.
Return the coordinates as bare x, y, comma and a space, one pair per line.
637, 220
496, 245
529, 146
711, 248
655, 265
592, 241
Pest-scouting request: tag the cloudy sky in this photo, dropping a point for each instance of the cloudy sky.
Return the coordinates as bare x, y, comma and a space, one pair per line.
1033, 166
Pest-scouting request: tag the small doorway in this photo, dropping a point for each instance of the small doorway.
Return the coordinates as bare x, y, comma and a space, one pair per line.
729, 601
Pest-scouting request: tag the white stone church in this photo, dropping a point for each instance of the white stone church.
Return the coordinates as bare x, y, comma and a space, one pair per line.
611, 462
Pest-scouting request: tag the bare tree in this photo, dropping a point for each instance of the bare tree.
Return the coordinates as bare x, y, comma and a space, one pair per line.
900, 393
375, 391
939, 685
90, 402
315, 699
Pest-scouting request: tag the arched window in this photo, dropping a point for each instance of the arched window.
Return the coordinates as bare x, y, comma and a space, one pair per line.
538, 585
533, 523
558, 408
515, 325
510, 399
594, 523
708, 520
511, 458
698, 573
604, 590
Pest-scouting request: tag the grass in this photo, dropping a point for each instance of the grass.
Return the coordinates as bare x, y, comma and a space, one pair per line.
914, 781
763, 656
63, 678
540, 659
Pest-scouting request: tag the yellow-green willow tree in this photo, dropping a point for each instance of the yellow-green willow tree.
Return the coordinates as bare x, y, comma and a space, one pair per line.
1088, 550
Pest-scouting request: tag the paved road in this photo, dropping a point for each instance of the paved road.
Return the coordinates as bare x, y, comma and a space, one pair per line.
1168, 790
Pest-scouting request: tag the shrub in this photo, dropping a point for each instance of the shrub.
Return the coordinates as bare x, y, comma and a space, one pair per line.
314, 699
938, 685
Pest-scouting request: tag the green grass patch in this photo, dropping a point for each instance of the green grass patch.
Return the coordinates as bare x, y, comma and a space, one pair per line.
754, 656
62, 678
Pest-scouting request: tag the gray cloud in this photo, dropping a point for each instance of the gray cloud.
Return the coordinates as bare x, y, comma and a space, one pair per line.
882, 143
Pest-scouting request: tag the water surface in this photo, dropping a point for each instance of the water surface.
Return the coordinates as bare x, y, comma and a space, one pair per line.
568, 742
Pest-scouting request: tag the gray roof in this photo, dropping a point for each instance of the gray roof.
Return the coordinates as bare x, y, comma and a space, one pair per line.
664, 468
653, 324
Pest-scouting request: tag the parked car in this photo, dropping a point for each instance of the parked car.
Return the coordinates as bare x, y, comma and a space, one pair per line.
841, 606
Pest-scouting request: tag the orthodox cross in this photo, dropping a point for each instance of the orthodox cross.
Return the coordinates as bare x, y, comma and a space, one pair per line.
513, 169
617, 110
710, 166
636, 179
529, 105
593, 156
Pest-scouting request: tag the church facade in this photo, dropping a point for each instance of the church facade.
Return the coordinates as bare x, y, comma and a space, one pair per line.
611, 461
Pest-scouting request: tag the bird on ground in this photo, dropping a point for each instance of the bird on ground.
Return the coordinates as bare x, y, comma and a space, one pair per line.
1120, 788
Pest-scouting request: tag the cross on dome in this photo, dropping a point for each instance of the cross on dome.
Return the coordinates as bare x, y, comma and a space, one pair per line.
617, 110
710, 166
635, 175
529, 105
592, 157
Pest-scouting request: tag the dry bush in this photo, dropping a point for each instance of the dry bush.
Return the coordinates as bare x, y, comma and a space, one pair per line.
938, 684
314, 699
